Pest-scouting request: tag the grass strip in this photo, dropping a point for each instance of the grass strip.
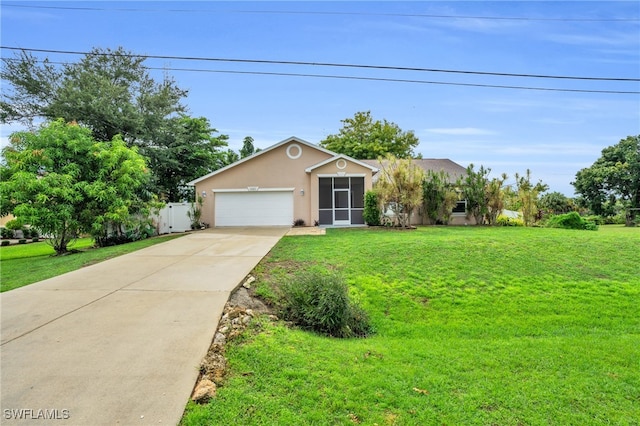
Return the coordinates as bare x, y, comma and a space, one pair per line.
25, 264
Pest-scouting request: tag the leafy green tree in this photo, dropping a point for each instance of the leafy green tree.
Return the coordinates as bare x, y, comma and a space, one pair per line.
528, 193
363, 138
186, 150
63, 182
556, 203
111, 93
400, 187
510, 198
439, 196
615, 175
227, 157
247, 147
108, 91
31, 87
474, 187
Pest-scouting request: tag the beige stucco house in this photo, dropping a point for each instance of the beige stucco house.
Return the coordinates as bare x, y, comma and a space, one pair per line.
290, 180
295, 179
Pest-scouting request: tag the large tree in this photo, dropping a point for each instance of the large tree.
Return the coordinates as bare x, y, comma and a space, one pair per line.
111, 92
616, 174
63, 182
363, 138
184, 149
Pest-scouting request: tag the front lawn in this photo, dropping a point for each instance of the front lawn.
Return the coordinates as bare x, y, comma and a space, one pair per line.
475, 326
24, 264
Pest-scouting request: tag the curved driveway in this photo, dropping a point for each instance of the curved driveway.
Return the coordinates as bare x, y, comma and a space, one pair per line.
120, 342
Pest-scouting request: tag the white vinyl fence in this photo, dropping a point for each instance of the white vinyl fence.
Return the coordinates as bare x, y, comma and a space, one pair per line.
173, 218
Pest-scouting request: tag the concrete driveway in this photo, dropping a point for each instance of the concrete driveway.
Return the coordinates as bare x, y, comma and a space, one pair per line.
120, 342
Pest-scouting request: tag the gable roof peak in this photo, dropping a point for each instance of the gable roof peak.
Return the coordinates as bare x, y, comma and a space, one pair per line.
290, 139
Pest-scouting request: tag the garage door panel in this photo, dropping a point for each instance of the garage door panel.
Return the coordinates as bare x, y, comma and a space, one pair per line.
269, 208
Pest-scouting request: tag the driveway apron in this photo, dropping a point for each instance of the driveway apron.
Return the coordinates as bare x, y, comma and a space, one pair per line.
120, 342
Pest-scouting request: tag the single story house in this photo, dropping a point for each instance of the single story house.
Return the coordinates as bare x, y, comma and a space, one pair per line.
290, 181
286, 182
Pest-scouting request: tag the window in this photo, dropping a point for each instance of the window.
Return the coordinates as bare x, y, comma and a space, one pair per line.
461, 207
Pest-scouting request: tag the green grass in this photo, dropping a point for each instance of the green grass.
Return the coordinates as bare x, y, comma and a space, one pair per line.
475, 326
24, 264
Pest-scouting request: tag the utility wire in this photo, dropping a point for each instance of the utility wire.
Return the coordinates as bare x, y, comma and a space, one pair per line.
397, 80
394, 80
291, 12
324, 64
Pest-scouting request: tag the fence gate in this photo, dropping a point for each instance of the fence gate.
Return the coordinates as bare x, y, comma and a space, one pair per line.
173, 218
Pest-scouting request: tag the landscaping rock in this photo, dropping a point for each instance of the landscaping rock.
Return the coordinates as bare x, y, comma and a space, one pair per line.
247, 283
243, 299
236, 316
204, 391
214, 367
219, 339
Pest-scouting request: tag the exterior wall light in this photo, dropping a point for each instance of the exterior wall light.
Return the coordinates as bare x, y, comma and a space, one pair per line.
204, 194
302, 192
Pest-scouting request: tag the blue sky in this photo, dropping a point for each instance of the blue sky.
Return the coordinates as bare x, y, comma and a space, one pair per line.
552, 133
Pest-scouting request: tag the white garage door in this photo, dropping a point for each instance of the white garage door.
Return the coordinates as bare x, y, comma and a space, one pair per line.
254, 208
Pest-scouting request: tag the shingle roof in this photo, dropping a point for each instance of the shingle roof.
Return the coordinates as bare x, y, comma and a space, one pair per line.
454, 170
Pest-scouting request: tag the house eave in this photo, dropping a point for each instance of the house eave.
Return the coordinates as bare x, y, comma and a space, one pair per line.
338, 157
257, 154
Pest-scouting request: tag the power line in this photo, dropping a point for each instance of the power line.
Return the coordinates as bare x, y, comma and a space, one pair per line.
326, 64
397, 80
291, 12
393, 80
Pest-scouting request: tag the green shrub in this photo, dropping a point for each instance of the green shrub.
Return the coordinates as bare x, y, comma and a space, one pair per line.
598, 220
14, 224
5, 243
618, 219
6, 233
35, 239
571, 220
319, 301
590, 226
503, 220
371, 209
22, 241
299, 222
26, 233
